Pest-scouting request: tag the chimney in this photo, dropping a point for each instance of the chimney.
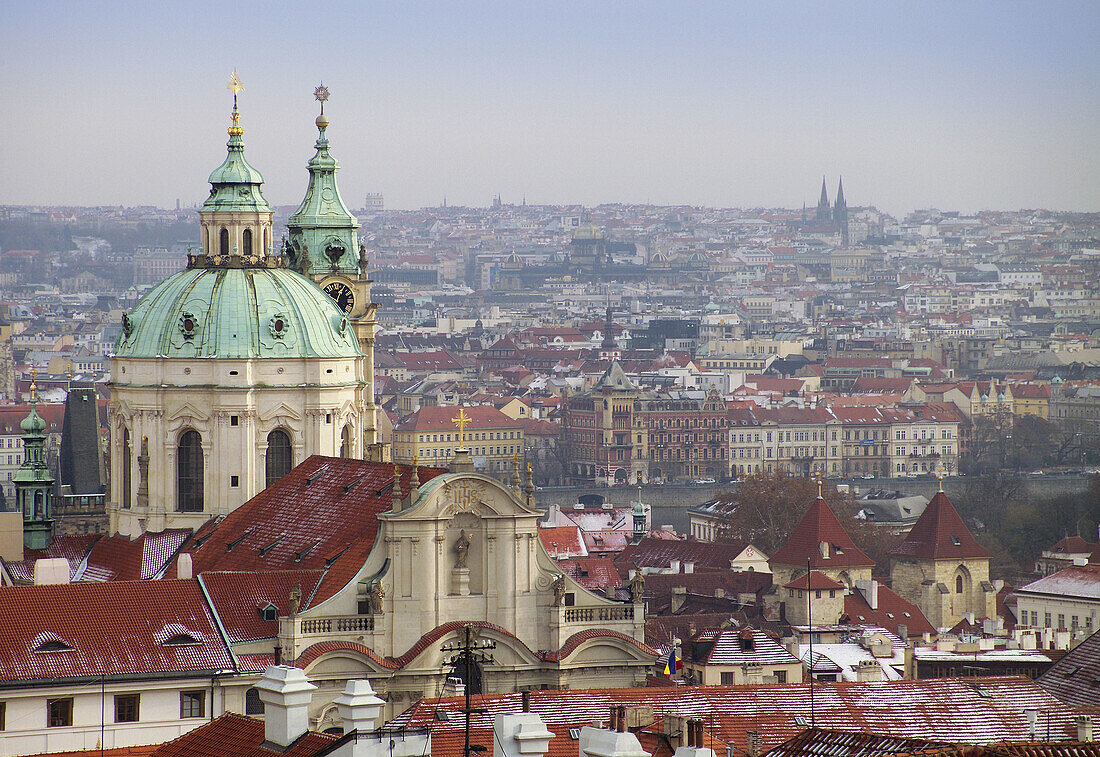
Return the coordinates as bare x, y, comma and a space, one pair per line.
869, 670
184, 567
1084, 728
51, 570
286, 693
523, 733
614, 741
869, 590
679, 596
694, 741
755, 743
359, 708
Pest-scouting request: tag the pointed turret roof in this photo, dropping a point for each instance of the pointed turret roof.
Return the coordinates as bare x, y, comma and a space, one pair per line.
323, 223
840, 194
615, 378
940, 534
821, 539
235, 184
824, 201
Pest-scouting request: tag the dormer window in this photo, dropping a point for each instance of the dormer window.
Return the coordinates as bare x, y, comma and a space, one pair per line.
53, 645
268, 611
181, 640
824, 549
956, 541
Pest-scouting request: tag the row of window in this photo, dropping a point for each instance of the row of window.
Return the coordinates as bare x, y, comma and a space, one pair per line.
246, 242
1075, 621
127, 708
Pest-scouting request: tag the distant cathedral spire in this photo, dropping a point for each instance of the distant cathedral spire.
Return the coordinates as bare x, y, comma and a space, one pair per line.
823, 203
840, 212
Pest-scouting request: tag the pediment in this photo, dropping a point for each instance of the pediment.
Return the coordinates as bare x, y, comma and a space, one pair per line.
453, 494
281, 411
188, 412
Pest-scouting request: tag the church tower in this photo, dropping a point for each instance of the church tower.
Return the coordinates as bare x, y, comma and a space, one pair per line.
942, 568
34, 482
323, 243
822, 214
840, 213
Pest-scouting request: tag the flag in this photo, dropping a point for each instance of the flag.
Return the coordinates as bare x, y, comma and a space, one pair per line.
672, 663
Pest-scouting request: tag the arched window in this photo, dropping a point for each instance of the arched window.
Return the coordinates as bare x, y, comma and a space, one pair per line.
345, 441
267, 241
280, 459
253, 705
223, 241
189, 473
127, 454
247, 242
958, 584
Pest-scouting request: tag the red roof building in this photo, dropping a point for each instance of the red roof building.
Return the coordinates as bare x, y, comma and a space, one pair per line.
819, 542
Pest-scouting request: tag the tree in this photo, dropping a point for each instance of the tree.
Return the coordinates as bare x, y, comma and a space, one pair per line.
769, 506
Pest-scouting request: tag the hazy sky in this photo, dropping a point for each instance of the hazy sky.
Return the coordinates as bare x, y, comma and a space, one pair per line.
957, 105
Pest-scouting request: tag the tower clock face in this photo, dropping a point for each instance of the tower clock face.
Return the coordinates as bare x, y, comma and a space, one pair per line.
341, 294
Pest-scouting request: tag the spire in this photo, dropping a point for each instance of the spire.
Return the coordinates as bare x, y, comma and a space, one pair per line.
414, 484
817, 538
608, 332
530, 488
396, 488
823, 203
840, 213
322, 223
940, 534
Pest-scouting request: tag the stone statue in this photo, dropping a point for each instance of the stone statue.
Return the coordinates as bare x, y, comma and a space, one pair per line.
637, 587
303, 260
362, 257
559, 590
295, 600
377, 594
462, 549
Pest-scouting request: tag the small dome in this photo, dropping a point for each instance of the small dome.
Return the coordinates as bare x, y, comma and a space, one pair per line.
33, 423
236, 313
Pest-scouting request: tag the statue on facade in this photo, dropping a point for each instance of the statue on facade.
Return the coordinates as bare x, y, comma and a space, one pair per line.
462, 549
362, 257
559, 590
377, 594
637, 587
303, 260
295, 600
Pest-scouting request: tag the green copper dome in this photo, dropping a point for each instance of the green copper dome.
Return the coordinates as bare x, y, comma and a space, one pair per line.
236, 312
33, 423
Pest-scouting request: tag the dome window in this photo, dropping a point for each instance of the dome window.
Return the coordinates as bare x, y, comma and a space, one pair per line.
188, 324
278, 325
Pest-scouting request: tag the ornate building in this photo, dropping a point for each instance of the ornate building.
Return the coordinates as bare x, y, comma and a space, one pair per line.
229, 373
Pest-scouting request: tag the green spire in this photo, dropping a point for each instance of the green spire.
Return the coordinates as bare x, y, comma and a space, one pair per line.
322, 225
33, 481
235, 184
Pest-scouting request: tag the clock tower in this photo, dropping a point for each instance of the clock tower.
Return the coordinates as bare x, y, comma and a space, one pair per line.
323, 243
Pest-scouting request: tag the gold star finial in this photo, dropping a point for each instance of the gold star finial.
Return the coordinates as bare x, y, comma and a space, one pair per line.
235, 86
320, 94
938, 473
461, 420
817, 477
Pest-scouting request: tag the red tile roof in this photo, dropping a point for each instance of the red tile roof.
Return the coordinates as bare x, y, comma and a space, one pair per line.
659, 553
320, 516
118, 628
118, 558
440, 419
238, 598
563, 542
819, 525
73, 548
940, 534
594, 573
815, 579
989, 710
892, 611
233, 735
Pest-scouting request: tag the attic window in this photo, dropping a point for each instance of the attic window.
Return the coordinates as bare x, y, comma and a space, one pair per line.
268, 611
1071, 670
800, 721
54, 645
838, 550
956, 541
575, 734
181, 640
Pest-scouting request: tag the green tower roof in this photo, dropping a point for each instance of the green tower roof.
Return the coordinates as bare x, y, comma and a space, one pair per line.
235, 184
322, 223
236, 311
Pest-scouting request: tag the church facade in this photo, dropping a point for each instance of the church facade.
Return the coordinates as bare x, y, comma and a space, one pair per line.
229, 373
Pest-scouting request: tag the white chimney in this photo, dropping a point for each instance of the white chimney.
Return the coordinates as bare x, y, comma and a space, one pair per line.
184, 567
869, 590
51, 570
286, 693
600, 742
523, 733
1084, 728
358, 706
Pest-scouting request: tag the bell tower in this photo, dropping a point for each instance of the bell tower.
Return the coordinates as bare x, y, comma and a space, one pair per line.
323, 243
34, 482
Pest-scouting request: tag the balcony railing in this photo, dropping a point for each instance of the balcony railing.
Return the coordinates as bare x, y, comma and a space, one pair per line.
345, 624
598, 614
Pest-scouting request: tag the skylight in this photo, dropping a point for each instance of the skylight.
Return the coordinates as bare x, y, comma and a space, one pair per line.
181, 640
53, 645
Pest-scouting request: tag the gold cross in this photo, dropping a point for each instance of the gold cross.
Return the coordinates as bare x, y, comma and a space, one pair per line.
461, 420
235, 85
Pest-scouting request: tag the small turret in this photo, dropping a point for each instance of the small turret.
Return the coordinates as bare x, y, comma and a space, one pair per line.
34, 482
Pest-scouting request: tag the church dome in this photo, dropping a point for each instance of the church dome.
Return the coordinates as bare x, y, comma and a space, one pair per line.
33, 423
236, 312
